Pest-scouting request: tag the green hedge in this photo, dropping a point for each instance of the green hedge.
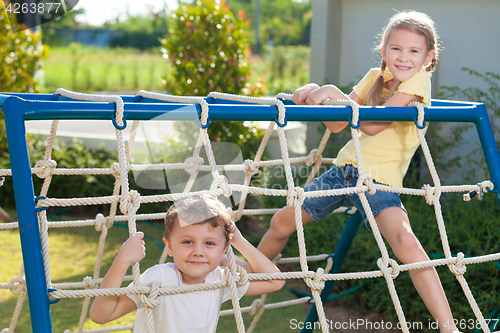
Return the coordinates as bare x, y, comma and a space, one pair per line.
471, 228
74, 155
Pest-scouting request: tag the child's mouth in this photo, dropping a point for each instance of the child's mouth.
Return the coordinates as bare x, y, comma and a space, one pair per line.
403, 68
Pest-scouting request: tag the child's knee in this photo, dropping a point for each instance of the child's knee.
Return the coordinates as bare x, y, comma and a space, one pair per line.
283, 222
408, 249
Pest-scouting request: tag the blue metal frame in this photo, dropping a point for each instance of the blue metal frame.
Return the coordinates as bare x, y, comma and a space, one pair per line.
19, 108
28, 222
338, 257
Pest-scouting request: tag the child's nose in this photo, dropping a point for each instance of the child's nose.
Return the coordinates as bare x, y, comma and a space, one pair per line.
198, 250
403, 56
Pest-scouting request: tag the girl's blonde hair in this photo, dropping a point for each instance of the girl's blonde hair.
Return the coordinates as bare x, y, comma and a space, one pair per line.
415, 22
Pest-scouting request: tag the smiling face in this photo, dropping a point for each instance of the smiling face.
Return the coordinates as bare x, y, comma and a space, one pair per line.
197, 250
406, 53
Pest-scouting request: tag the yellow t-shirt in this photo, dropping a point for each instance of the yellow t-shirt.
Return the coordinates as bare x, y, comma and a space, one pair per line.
387, 155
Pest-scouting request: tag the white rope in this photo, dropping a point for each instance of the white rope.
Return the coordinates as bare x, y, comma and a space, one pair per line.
235, 276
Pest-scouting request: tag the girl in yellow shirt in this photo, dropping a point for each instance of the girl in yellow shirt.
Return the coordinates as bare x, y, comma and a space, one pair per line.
409, 48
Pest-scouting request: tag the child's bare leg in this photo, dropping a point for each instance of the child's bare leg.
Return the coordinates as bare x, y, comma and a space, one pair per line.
395, 227
282, 226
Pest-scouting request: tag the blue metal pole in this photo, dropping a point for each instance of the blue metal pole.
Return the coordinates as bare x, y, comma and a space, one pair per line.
490, 148
28, 222
339, 255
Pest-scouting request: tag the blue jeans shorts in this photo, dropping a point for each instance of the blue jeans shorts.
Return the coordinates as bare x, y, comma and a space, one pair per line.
345, 177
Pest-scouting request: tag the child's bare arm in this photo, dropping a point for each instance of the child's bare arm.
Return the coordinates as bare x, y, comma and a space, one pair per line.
108, 308
399, 99
368, 127
259, 264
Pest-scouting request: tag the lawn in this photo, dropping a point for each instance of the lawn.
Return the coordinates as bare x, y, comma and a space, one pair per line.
91, 69
73, 250
72, 256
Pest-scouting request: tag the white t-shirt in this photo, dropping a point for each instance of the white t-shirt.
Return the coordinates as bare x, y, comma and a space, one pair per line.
182, 313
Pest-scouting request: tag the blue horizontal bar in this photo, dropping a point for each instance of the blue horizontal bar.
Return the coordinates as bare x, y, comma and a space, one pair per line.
46, 108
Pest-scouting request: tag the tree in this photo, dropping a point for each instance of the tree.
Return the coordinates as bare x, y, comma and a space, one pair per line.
208, 48
22, 58
22, 52
285, 22
65, 21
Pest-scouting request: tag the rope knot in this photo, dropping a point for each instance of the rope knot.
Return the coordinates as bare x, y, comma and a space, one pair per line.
115, 170
192, 164
458, 268
295, 196
101, 222
392, 269
221, 181
17, 284
257, 304
45, 168
135, 201
89, 283
151, 299
129, 204
251, 167
314, 157
432, 194
317, 283
367, 180
242, 276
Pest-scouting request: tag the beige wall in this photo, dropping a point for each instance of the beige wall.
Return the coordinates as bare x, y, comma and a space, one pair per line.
470, 31
343, 36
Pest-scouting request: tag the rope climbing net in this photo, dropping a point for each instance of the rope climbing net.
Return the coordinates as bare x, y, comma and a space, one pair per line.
125, 202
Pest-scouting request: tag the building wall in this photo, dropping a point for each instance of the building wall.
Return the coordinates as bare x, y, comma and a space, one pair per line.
344, 34
467, 29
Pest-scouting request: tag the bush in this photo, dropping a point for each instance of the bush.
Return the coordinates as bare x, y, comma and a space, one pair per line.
288, 68
22, 54
470, 230
72, 155
490, 97
208, 47
22, 58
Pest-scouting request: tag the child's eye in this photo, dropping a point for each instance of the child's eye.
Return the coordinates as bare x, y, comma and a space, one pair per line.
210, 243
414, 51
187, 242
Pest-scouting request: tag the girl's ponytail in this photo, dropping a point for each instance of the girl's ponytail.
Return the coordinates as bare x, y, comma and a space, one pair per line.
374, 93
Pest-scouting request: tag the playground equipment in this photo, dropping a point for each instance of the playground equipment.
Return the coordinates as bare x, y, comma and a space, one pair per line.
121, 110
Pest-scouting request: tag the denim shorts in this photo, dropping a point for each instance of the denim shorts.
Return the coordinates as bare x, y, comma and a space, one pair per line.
345, 177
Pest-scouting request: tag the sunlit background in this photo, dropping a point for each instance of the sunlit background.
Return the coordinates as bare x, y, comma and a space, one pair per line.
97, 12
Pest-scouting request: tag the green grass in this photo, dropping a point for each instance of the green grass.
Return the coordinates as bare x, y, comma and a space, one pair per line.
89, 69
104, 69
73, 250
72, 255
